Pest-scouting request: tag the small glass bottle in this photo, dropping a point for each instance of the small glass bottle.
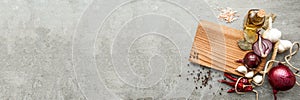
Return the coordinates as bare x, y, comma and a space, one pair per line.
252, 22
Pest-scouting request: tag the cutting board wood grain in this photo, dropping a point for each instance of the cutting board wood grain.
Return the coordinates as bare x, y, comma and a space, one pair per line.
215, 46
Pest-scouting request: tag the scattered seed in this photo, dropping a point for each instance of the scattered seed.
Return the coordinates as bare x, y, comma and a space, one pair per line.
220, 93
179, 75
222, 89
196, 88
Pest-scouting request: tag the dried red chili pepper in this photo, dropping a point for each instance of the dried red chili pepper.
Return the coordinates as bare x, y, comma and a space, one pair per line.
243, 80
243, 85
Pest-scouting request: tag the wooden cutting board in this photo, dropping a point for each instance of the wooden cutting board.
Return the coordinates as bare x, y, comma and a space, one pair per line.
215, 46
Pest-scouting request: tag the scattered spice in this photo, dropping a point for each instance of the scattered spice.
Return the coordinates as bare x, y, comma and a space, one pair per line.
200, 80
228, 15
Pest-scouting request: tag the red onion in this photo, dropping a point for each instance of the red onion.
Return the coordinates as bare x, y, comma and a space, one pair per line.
251, 60
262, 47
281, 78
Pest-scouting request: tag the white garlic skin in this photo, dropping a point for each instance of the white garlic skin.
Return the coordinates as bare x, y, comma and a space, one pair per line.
284, 45
249, 74
272, 34
257, 79
242, 69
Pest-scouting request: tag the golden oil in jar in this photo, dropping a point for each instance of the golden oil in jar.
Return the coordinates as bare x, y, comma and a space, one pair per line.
252, 22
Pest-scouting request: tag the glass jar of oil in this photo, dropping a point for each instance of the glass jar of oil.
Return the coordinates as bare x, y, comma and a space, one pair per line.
252, 22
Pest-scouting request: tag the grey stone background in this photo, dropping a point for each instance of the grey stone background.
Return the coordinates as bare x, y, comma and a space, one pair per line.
119, 49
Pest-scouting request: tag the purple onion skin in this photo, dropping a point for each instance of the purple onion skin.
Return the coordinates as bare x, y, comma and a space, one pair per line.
266, 47
251, 60
281, 78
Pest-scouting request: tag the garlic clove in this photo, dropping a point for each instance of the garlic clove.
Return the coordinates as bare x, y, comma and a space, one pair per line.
284, 45
249, 74
242, 69
257, 79
273, 35
281, 49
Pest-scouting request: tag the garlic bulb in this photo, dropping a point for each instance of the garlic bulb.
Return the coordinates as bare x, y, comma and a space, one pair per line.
257, 79
272, 34
242, 69
249, 74
284, 45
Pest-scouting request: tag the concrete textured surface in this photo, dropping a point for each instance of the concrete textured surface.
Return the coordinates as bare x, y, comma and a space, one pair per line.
120, 49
